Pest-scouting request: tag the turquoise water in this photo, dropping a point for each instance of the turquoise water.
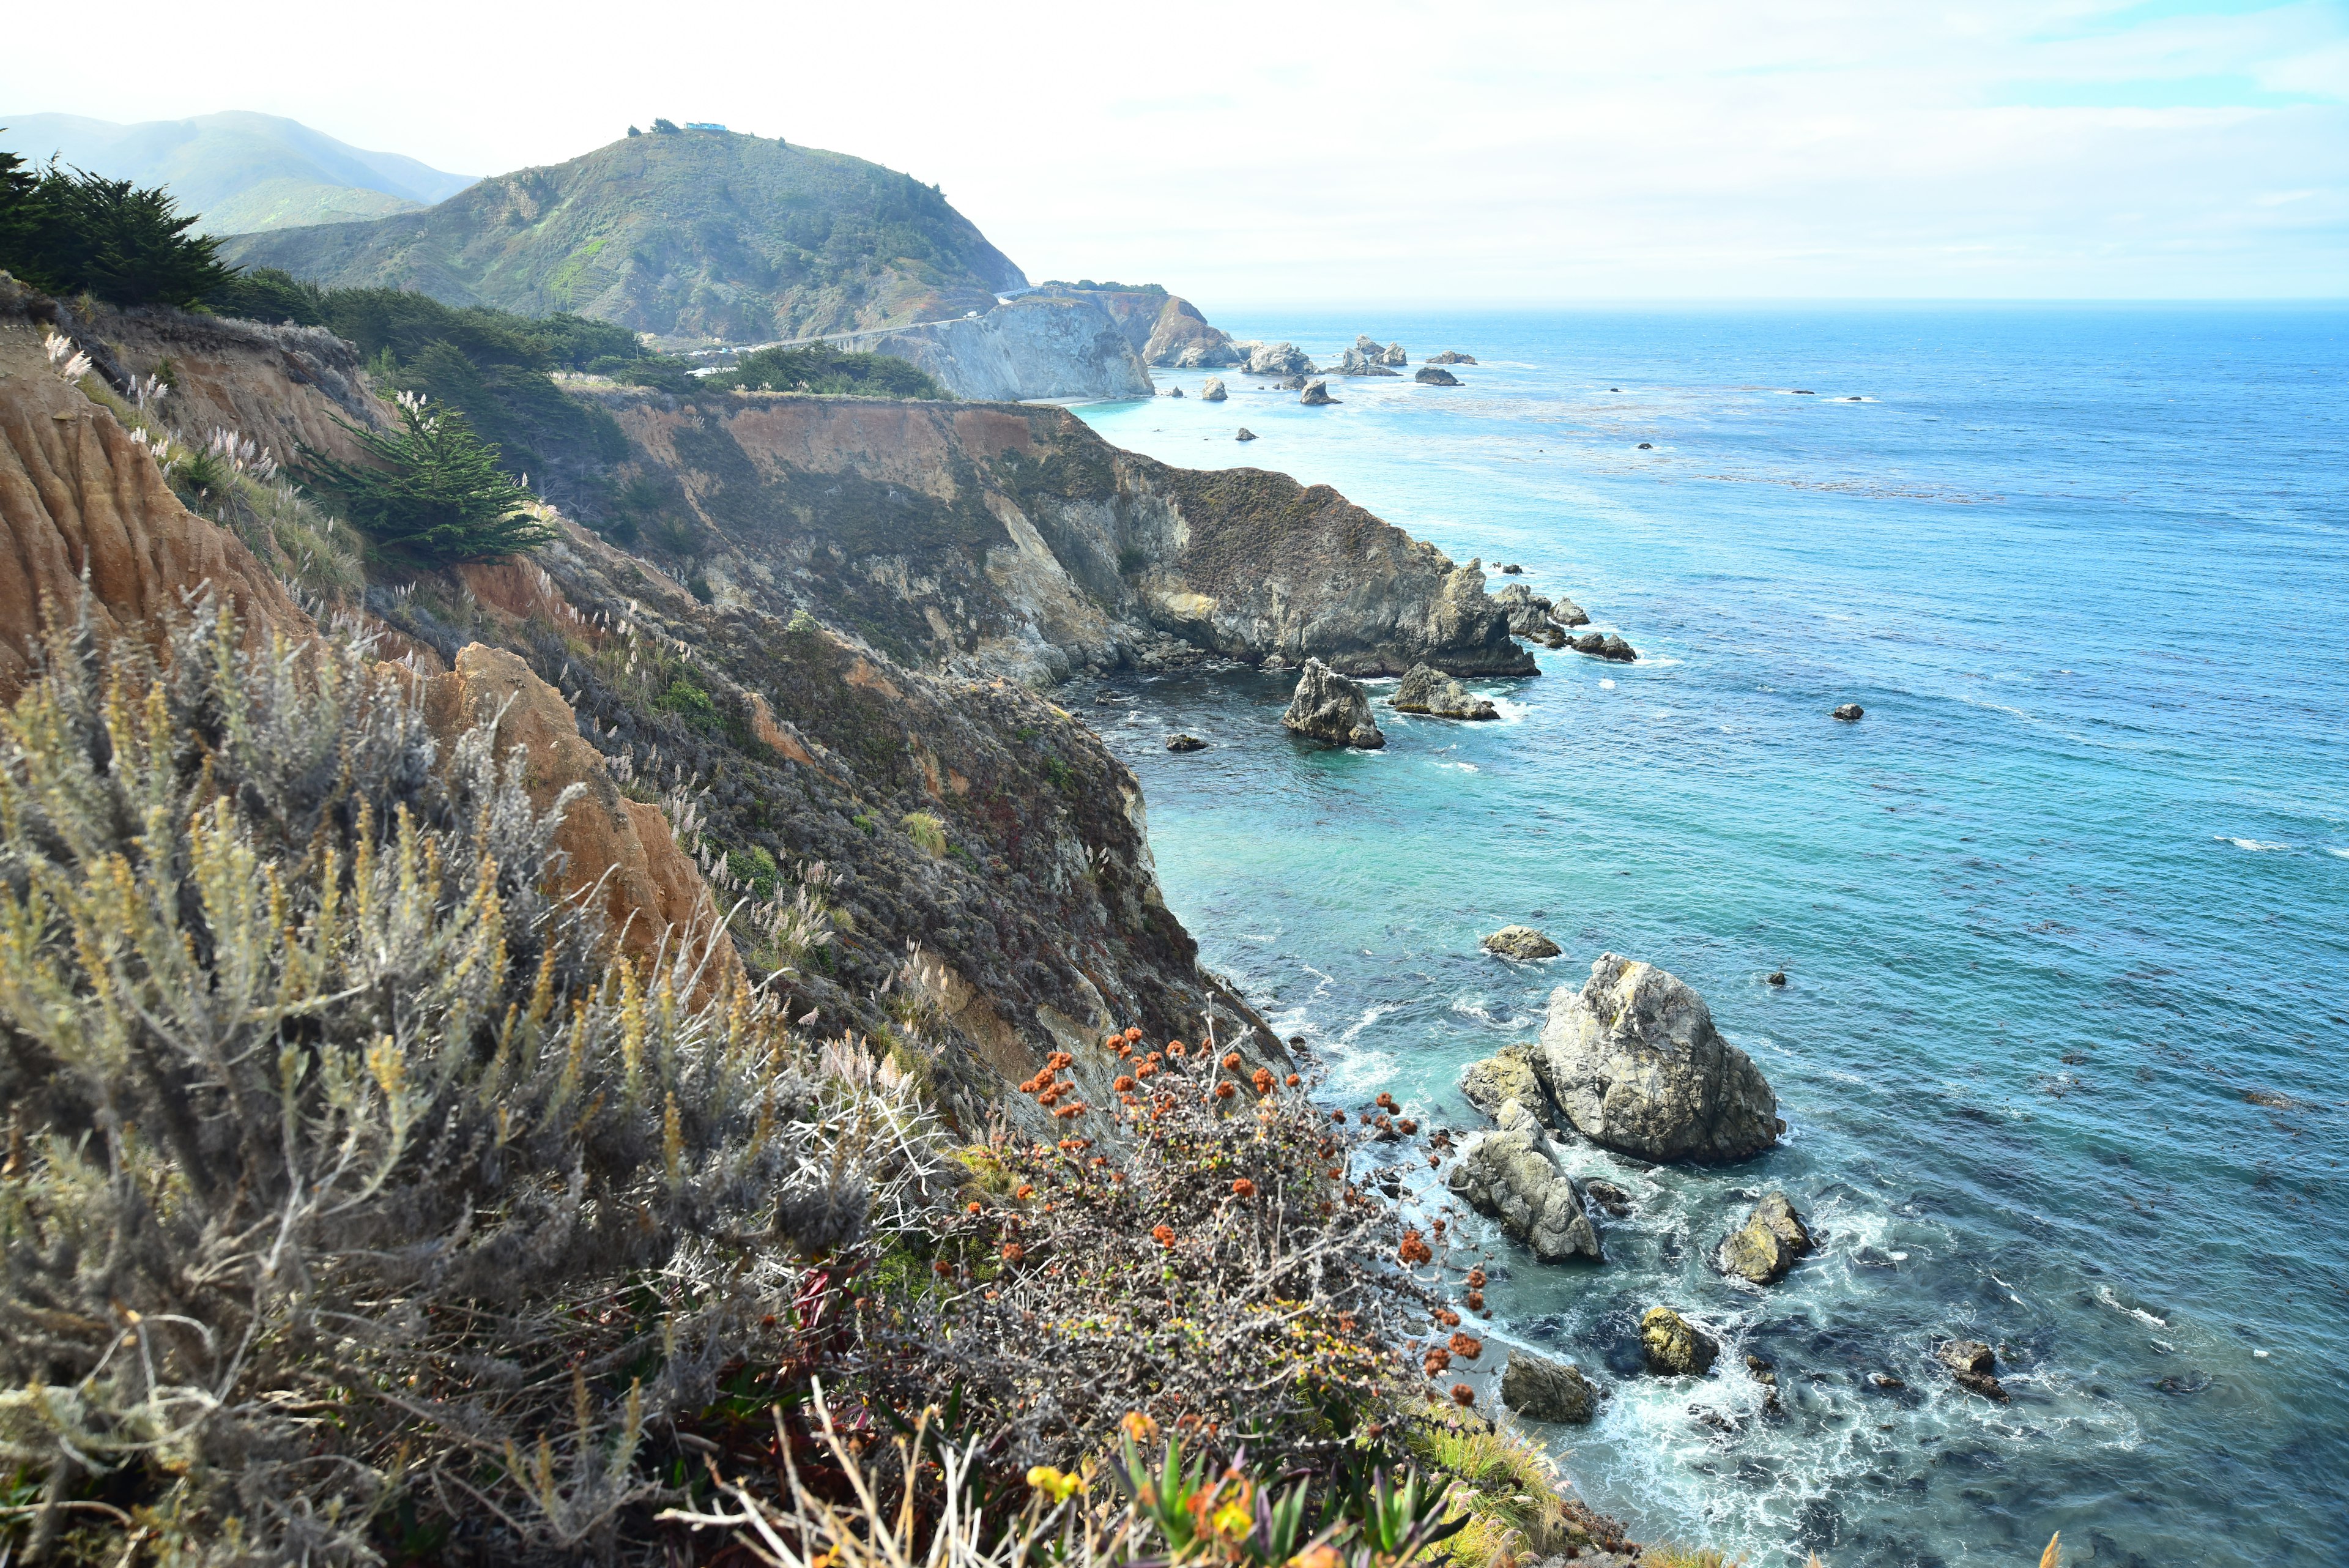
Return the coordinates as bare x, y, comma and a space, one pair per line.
2075, 888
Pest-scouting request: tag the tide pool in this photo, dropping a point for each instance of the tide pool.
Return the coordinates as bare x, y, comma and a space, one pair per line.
2064, 918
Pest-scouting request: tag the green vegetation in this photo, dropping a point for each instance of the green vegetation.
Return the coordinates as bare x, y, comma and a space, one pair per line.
820, 367
433, 495
66, 232
928, 830
1089, 283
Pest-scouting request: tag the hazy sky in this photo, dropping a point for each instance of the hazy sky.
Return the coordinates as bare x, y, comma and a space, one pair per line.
1461, 152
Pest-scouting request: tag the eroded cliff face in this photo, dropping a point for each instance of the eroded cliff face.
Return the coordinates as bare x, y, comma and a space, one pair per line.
1039, 347
1164, 328
1014, 541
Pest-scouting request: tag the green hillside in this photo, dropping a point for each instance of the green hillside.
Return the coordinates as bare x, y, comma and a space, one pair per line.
687, 233
240, 171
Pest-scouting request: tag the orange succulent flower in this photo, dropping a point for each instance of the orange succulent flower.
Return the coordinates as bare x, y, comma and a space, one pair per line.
1231, 1061
1414, 1250
1293, 1080
1475, 1300
1263, 1080
1439, 1361
1175, 1049
1444, 1315
1163, 1234
1225, 1091
1462, 1394
1134, 1034
1123, 1084
1477, 1278
1244, 1188
1139, 1427
1386, 1102
974, 1208
1013, 1252
1027, 1189
1337, 1115
1467, 1346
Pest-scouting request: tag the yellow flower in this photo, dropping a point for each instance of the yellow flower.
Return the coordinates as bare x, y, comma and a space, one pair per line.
1047, 1479
1232, 1520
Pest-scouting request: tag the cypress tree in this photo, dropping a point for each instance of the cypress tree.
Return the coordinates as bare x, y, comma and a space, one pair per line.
433, 494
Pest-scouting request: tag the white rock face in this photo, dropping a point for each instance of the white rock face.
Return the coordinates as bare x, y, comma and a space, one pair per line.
1633, 1061
1036, 347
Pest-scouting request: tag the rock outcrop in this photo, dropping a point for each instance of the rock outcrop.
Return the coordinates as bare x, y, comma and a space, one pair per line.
1851, 712
1329, 707
1521, 942
1974, 1366
1566, 612
1164, 328
1528, 612
1356, 361
1316, 395
1212, 392
1186, 743
1506, 1075
1276, 359
1605, 645
1423, 691
1673, 1346
1393, 355
1541, 1389
1510, 1174
1245, 434
1634, 1063
1037, 346
1433, 375
1451, 357
1768, 1244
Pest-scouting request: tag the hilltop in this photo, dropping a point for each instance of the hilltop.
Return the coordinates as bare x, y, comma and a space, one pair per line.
241, 171
682, 234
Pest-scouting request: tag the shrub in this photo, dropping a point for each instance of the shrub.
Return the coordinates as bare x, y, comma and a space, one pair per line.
925, 828
352, 1190
433, 494
821, 368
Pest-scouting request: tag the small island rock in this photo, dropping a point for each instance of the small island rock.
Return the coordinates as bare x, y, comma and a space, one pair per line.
1394, 355
1773, 1236
1423, 690
1278, 359
1973, 1364
1605, 645
1675, 1346
1851, 712
1521, 942
1316, 395
1510, 1174
1433, 375
1174, 392
1635, 1064
1245, 434
1212, 392
1541, 1389
1506, 1075
1451, 357
1329, 707
1566, 612
1186, 743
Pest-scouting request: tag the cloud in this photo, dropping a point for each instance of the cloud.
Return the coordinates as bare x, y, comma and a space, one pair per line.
1386, 149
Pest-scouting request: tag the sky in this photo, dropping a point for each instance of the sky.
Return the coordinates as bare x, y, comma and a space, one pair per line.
1463, 153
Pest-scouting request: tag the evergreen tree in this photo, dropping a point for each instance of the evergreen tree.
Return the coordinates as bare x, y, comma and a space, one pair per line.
70, 232
433, 495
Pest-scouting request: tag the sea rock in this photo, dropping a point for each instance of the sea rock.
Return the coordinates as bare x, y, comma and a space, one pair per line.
1634, 1062
1508, 1175
1608, 1196
1607, 645
1773, 1236
1278, 359
1245, 434
1512, 569
1174, 392
1506, 1075
1529, 613
1851, 712
1316, 395
1367, 346
1354, 363
1393, 355
1329, 707
1521, 942
1425, 691
1541, 1389
1673, 1346
1566, 612
1433, 375
1974, 1366
1451, 357
1212, 392
1186, 743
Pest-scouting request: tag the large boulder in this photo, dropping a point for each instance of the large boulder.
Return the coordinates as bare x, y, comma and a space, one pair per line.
1506, 1075
1566, 612
1329, 707
1974, 1366
1433, 375
1521, 942
1438, 695
1316, 395
1541, 1389
1675, 1347
1393, 355
1634, 1062
1606, 645
1773, 1236
1212, 392
1529, 613
1509, 1174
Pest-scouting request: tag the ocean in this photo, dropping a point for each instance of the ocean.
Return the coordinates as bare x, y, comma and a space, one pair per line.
2065, 919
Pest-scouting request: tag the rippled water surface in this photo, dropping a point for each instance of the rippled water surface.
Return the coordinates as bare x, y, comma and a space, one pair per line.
2065, 918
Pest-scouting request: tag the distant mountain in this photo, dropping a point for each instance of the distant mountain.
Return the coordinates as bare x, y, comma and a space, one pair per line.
242, 172
682, 234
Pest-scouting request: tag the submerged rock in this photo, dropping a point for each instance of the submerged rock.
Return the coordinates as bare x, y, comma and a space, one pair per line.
1212, 392
1316, 395
1773, 1236
1521, 942
1673, 1346
1433, 375
1439, 696
1634, 1062
1973, 1364
1329, 707
1541, 1389
1451, 357
1186, 743
1851, 712
1506, 1075
1508, 1175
